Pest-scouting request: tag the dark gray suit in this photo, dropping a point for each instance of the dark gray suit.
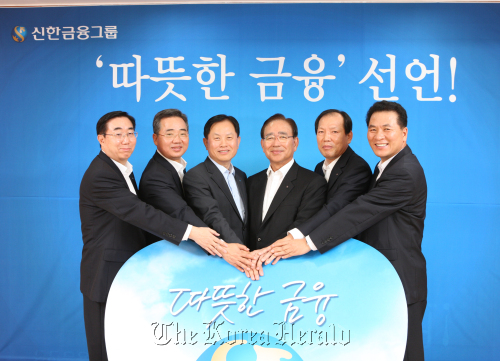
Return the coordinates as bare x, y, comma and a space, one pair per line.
208, 194
348, 180
390, 218
161, 187
301, 194
113, 220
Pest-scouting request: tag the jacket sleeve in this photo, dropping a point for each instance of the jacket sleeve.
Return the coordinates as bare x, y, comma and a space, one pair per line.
109, 192
393, 192
352, 185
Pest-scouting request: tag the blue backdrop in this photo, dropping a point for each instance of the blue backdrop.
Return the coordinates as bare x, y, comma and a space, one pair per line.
68, 66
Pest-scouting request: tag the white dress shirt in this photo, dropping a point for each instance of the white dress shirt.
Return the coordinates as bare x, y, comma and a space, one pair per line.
327, 169
126, 171
274, 180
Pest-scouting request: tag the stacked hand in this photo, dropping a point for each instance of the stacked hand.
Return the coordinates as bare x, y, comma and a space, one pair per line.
284, 248
239, 256
207, 239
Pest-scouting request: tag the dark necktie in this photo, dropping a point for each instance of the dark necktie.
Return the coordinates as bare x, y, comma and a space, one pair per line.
373, 179
132, 178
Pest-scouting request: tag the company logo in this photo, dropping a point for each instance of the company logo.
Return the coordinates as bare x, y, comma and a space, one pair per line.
18, 34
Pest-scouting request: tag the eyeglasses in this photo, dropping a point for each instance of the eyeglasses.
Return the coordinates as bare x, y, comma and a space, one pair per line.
282, 138
182, 135
121, 136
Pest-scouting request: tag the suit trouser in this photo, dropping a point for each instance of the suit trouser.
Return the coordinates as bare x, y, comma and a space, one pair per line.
414, 342
93, 314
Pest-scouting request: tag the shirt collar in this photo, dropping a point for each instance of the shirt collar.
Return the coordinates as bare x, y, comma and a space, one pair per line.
329, 166
283, 170
223, 169
125, 169
382, 165
179, 167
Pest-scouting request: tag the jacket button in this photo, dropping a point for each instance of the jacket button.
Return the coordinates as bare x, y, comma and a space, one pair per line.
164, 233
258, 239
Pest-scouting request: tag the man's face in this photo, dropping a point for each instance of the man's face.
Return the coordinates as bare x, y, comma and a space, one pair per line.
222, 142
173, 138
116, 147
279, 152
385, 135
331, 137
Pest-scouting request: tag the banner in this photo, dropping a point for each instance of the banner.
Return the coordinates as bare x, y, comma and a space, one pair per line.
63, 68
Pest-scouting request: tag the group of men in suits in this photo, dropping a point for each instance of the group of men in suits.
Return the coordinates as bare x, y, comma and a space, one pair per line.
280, 212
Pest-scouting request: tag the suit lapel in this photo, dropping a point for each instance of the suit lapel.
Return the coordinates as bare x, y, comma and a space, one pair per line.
285, 188
169, 167
258, 192
373, 179
338, 167
113, 166
405, 151
218, 178
108, 160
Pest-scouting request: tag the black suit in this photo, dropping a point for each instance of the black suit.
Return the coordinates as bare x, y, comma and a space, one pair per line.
209, 196
112, 222
350, 178
301, 194
390, 218
161, 187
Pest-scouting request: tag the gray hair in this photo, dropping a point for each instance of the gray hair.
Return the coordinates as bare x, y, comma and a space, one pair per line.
167, 113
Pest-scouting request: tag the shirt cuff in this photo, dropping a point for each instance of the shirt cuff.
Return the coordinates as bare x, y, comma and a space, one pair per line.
188, 231
296, 234
311, 244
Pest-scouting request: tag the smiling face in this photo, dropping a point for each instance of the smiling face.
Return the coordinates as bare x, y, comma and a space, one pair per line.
331, 137
279, 153
173, 138
385, 135
222, 143
118, 148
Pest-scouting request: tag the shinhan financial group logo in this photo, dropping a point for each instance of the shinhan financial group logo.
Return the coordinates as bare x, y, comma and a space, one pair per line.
18, 34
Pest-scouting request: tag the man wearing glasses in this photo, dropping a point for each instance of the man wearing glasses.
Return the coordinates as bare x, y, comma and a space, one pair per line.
161, 181
285, 194
113, 219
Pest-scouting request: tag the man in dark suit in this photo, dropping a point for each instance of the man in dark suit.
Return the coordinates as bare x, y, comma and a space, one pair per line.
389, 217
161, 181
284, 195
347, 174
113, 219
215, 189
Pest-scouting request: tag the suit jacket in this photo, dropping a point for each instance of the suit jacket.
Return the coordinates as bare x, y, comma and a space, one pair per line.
209, 196
112, 222
350, 178
301, 194
161, 187
390, 218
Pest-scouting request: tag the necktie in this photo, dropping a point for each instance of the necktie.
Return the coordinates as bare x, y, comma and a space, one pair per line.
373, 180
132, 178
